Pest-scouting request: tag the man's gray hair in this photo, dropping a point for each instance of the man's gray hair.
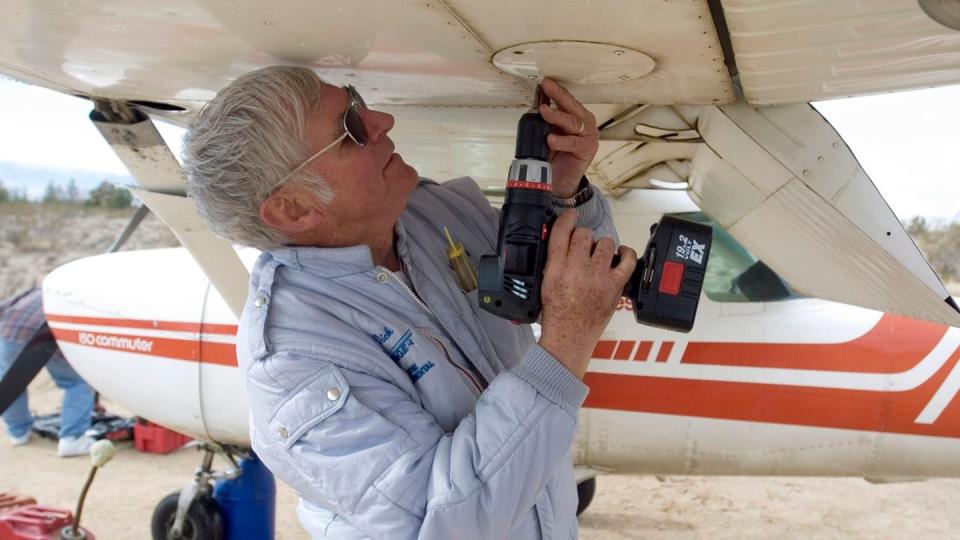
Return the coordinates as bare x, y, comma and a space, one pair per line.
244, 142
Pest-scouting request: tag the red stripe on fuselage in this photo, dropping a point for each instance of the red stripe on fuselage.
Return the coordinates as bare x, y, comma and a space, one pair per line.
604, 349
873, 411
643, 350
894, 412
664, 353
623, 350
893, 345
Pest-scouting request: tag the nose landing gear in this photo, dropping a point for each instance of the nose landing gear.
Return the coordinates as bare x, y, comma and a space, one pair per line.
241, 502
191, 513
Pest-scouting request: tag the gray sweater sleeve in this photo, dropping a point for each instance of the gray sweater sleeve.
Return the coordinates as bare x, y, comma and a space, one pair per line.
596, 214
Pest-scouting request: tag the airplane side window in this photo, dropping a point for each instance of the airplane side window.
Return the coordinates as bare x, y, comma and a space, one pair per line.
734, 274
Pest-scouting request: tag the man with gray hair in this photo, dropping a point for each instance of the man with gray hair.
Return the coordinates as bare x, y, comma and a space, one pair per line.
378, 389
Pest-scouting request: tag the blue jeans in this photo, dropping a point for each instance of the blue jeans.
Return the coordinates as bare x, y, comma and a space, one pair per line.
78, 397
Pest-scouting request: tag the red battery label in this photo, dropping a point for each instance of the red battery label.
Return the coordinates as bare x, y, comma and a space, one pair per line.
671, 277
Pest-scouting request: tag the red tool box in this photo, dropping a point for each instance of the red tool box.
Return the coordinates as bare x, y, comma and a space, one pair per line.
149, 437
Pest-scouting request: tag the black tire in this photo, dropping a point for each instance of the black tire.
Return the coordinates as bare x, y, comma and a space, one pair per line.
203, 520
585, 491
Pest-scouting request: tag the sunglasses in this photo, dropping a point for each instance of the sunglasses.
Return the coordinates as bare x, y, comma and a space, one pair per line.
352, 124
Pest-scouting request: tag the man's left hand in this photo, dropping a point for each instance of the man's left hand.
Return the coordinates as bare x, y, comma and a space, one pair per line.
575, 139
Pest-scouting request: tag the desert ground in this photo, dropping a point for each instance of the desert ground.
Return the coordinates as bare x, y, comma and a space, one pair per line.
35, 238
33, 242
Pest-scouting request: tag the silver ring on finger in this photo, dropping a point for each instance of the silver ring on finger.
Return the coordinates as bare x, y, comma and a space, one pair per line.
580, 129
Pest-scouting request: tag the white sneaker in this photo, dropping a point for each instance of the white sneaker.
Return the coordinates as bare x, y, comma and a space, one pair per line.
74, 446
21, 440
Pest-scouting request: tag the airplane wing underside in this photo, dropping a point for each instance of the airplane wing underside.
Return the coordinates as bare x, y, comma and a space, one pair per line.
178, 53
663, 79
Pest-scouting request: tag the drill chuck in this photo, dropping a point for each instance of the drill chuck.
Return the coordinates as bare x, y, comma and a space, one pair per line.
532, 134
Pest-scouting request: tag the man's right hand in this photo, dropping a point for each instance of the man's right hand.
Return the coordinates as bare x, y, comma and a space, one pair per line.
580, 291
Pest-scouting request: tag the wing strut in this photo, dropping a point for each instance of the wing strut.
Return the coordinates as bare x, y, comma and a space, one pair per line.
162, 188
129, 229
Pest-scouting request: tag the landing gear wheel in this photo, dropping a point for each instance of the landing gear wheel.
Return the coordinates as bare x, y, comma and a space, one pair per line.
203, 520
585, 491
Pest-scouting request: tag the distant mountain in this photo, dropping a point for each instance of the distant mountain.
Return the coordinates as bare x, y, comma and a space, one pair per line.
16, 177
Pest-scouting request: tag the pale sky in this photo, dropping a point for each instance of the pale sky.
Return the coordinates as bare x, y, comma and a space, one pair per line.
908, 142
50, 129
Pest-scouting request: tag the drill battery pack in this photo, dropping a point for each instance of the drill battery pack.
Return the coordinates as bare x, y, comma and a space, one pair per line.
665, 287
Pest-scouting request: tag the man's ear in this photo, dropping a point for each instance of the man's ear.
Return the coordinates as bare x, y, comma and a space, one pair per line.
292, 210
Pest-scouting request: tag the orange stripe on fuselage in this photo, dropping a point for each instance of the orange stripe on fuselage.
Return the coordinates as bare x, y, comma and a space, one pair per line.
643, 350
224, 354
874, 411
895, 344
664, 353
623, 350
207, 328
893, 412
604, 349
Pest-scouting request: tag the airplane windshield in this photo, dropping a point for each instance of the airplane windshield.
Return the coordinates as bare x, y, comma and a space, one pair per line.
734, 274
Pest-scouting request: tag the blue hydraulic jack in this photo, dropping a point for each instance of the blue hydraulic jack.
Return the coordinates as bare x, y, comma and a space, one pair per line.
248, 502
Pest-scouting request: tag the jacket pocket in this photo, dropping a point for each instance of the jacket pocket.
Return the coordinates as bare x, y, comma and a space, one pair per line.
334, 446
309, 404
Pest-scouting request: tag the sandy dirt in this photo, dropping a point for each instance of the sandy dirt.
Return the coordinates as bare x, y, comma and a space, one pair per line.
121, 501
35, 239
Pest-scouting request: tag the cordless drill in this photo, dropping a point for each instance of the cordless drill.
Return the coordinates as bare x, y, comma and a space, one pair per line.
509, 282
665, 287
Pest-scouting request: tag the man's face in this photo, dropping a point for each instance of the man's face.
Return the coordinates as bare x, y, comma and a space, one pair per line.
370, 183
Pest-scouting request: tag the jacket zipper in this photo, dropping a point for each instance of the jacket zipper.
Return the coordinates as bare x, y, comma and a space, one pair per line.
476, 385
475, 381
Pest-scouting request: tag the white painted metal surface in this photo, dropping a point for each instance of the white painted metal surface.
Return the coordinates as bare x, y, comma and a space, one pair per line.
576, 62
642, 443
215, 255
439, 52
809, 50
400, 52
785, 184
223, 389
144, 153
125, 286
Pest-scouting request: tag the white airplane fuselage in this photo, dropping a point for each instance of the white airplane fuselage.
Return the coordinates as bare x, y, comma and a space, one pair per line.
796, 386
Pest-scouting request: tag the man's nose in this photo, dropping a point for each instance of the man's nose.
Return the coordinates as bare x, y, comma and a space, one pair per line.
378, 123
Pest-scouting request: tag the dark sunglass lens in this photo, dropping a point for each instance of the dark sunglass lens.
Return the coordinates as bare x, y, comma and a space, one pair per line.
355, 96
355, 127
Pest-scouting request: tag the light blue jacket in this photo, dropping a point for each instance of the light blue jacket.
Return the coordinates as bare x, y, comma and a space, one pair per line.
396, 414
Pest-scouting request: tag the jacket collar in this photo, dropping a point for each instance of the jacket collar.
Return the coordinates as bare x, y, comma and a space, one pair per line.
335, 262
